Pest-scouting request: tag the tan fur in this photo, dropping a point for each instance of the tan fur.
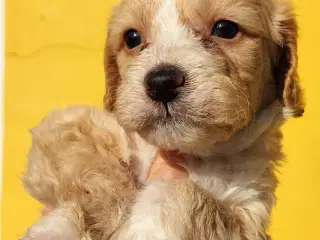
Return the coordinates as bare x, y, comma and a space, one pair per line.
76, 156
225, 124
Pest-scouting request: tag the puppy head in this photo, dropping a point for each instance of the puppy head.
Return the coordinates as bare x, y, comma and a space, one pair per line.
186, 74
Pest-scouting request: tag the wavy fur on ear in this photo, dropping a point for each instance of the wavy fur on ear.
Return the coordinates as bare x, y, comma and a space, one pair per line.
111, 69
288, 86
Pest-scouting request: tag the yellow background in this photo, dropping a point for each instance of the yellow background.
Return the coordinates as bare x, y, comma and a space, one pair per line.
54, 58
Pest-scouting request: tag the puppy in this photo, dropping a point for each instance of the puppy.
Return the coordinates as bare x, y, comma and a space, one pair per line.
212, 80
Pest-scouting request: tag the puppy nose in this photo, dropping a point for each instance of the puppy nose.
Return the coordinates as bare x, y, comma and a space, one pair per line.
162, 83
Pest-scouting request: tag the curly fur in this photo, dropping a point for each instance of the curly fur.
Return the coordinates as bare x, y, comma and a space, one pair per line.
78, 156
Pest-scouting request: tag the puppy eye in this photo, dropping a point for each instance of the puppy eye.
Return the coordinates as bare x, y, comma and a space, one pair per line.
132, 38
225, 29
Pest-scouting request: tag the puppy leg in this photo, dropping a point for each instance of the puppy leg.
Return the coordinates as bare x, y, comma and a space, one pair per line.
76, 156
245, 203
64, 223
68, 140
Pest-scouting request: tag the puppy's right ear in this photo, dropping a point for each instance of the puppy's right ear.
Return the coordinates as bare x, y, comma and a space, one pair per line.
112, 76
111, 69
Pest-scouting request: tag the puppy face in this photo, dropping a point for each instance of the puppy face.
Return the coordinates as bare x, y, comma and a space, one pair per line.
186, 74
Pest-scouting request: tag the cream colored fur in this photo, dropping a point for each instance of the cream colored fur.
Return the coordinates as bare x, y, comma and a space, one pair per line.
78, 164
93, 165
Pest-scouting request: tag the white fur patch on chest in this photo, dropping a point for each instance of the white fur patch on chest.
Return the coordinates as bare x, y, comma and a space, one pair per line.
144, 222
142, 153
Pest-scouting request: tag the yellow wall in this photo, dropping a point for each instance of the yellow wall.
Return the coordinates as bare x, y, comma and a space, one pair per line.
54, 58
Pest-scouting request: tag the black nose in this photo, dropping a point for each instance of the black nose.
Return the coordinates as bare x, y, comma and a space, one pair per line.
162, 83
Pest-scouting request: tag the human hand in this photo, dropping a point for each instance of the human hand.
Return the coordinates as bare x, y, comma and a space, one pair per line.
166, 167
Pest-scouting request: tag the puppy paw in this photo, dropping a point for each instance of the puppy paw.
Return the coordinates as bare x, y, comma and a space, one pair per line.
52, 228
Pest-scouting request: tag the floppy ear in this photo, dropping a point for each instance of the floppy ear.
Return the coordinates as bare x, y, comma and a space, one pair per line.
112, 76
111, 69
288, 87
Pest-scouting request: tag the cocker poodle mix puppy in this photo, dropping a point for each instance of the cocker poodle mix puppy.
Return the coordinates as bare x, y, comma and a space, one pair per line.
210, 81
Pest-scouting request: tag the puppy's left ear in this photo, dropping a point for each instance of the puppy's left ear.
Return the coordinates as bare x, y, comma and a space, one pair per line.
288, 87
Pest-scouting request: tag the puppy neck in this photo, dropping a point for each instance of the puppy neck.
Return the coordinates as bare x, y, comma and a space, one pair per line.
266, 122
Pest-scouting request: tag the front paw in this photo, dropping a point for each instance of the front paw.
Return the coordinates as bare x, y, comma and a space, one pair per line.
52, 228
65, 222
